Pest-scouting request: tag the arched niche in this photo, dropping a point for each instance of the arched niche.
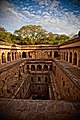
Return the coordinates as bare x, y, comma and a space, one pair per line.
56, 54
12, 55
45, 68
3, 58
39, 68
67, 56
70, 59
32, 67
75, 58
23, 54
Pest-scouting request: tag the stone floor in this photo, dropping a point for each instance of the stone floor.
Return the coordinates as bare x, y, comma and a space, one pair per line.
72, 68
22, 109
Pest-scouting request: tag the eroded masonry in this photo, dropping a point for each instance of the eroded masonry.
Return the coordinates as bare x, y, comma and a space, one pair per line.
40, 72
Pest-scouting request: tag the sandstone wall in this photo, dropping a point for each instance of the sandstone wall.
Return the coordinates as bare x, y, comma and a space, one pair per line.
11, 77
65, 84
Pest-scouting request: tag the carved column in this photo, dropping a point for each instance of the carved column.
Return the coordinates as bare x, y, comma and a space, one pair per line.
0, 57
11, 55
72, 57
60, 54
78, 59
68, 56
52, 54
6, 56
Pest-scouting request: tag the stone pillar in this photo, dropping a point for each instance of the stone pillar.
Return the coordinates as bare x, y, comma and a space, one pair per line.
11, 55
72, 57
52, 54
42, 54
60, 54
6, 56
23, 67
68, 56
35, 54
50, 95
20, 54
48, 67
64, 55
17, 55
26, 55
30, 67
78, 59
35, 68
14, 56
0, 57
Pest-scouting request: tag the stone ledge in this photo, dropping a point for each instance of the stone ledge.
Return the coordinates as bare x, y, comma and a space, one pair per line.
10, 64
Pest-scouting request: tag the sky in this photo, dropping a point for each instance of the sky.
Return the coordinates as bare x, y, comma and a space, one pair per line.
56, 16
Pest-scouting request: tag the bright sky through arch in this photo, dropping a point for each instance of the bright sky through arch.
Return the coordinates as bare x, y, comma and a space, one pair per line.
57, 16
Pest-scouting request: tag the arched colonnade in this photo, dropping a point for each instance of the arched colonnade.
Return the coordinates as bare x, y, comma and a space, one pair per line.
71, 56
10, 56
40, 67
7, 56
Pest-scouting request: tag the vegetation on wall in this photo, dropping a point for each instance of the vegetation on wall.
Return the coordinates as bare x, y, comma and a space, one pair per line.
32, 35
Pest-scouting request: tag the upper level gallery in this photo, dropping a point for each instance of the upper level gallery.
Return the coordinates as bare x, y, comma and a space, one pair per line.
69, 52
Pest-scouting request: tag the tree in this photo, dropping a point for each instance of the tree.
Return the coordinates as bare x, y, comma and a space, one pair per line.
61, 38
32, 35
32, 32
4, 35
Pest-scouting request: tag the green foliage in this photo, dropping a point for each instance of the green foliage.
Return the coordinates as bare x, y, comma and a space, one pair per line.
5, 36
32, 35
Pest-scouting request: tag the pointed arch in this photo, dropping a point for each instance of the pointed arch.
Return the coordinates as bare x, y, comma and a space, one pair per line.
12, 55
23, 54
32, 67
3, 58
39, 68
45, 68
55, 54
